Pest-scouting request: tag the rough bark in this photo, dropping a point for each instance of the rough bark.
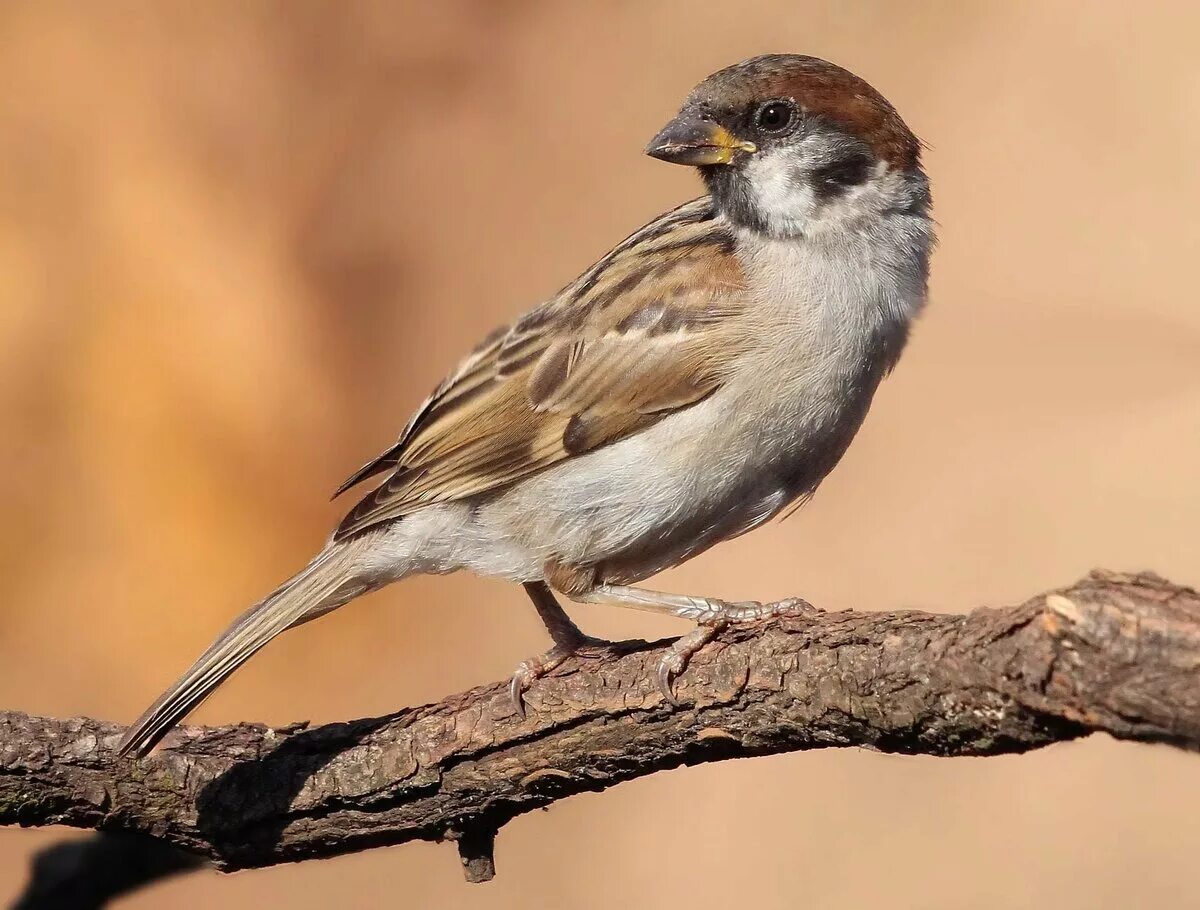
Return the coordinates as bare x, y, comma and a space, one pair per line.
1114, 653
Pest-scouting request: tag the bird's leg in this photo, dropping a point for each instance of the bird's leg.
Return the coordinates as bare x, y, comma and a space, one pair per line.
712, 616
568, 642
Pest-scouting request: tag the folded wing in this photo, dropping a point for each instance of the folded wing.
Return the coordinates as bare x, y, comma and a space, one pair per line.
651, 328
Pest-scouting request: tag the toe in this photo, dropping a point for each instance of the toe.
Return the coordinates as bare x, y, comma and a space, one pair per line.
793, 606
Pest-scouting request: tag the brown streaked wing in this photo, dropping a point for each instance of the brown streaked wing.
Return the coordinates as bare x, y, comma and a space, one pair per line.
472, 373
648, 330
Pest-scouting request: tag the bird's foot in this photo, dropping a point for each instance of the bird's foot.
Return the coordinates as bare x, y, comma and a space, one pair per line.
717, 615
584, 647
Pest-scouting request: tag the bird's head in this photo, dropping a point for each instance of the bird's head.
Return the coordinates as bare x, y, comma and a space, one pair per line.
791, 145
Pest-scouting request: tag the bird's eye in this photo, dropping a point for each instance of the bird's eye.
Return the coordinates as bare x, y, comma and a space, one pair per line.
774, 116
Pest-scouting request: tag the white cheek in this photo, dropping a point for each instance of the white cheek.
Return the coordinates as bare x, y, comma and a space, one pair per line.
783, 198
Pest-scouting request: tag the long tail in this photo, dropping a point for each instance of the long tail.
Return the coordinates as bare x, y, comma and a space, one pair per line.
326, 583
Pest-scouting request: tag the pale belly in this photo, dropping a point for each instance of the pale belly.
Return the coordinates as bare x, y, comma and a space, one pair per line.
641, 505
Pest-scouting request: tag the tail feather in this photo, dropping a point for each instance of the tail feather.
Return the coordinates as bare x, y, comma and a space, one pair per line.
326, 583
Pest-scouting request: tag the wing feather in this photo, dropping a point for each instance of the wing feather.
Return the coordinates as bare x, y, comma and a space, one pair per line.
646, 331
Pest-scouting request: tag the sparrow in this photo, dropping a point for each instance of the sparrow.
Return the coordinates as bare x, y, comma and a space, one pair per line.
699, 379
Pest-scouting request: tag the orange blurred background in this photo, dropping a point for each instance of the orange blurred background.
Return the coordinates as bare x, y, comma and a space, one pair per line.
239, 242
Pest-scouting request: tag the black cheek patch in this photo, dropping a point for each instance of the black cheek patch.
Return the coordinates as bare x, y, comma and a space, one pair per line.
731, 190
833, 179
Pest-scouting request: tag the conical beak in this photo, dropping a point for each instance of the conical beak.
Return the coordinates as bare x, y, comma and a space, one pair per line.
693, 138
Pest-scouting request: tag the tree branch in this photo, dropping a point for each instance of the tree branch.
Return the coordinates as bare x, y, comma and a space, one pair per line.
1113, 653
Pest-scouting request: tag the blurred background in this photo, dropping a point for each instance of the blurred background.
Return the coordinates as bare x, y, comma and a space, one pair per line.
239, 243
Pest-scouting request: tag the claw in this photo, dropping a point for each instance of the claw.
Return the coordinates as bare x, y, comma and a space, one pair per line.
529, 670
584, 647
520, 681
675, 661
668, 668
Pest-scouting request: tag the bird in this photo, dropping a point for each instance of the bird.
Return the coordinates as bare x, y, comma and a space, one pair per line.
698, 380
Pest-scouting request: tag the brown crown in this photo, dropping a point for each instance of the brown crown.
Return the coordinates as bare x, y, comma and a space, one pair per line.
821, 89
